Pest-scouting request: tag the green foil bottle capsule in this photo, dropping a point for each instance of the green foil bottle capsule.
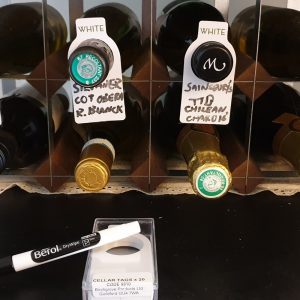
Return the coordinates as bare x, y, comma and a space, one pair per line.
90, 63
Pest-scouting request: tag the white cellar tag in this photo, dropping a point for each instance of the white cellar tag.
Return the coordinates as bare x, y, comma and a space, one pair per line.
208, 76
105, 101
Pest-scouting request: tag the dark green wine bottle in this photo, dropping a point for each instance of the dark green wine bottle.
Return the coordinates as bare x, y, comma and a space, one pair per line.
24, 127
279, 39
178, 27
270, 135
22, 36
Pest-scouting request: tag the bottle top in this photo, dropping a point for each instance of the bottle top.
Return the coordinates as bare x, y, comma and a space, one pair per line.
92, 174
286, 141
209, 174
206, 62
93, 170
90, 63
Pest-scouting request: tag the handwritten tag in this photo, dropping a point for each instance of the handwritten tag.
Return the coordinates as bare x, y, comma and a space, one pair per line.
104, 102
208, 76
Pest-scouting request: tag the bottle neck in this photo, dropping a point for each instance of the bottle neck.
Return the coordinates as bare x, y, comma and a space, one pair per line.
286, 142
197, 138
97, 143
3, 158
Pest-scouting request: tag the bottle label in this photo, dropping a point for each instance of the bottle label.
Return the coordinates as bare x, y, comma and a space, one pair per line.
208, 76
105, 101
212, 182
87, 68
129, 285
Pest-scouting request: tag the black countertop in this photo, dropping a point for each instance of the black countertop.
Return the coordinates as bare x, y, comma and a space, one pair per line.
230, 249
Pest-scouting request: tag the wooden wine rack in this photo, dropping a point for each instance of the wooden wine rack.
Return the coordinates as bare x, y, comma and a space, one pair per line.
150, 78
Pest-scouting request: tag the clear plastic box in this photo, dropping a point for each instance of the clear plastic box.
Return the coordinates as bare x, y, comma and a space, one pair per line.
123, 270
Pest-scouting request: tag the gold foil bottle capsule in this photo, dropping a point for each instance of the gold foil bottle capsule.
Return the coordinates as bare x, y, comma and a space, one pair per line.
93, 170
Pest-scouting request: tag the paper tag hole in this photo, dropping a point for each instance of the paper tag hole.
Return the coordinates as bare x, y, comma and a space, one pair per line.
122, 250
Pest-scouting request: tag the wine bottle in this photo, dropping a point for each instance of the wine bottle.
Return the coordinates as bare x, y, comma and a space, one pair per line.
207, 167
22, 36
279, 39
123, 27
177, 28
24, 126
104, 141
275, 122
58, 167
234, 138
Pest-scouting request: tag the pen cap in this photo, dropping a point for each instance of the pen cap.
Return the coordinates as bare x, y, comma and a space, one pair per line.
6, 265
120, 232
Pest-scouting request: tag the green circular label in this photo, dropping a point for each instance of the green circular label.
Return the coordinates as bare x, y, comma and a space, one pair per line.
212, 183
87, 68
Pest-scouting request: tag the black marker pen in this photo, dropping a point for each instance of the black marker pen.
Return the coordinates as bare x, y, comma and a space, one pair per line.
37, 257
